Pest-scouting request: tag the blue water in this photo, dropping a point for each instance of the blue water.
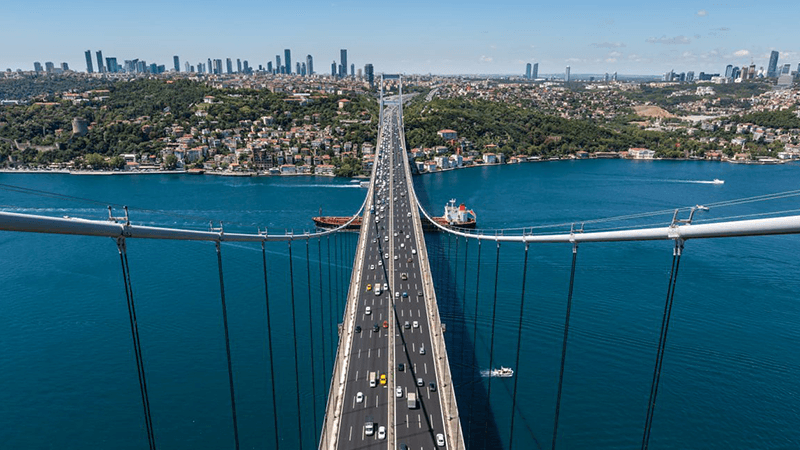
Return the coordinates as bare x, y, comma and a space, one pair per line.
730, 372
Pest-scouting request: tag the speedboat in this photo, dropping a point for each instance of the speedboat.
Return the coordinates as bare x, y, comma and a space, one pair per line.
503, 372
718, 181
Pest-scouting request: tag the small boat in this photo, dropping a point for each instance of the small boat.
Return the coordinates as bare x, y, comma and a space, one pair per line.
503, 372
718, 181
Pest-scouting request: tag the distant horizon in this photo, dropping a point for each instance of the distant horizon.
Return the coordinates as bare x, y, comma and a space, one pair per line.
446, 37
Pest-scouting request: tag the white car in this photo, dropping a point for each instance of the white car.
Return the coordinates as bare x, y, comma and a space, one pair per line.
408, 236
409, 214
368, 311
372, 267
386, 239
380, 262
396, 257
413, 251
386, 256
397, 294
415, 324
382, 433
385, 287
359, 397
402, 245
398, 392
439, 440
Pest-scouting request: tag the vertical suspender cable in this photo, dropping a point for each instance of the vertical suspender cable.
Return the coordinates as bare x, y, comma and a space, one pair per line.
475, 337
321, 308
455, 300
564, 345
330, 298
294, 336
519, 344
227, 346
464, 299
137, 346
269, 346
311, 342
491, 339
676, 262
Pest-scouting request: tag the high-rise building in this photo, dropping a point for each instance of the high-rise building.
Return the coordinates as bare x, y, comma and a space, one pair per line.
309, 65
65, 67
728, 71
246, 67
238, 65
352, 70
735, 73
48, 67
302, 70
772, 69
111, 65
187, 67
100, 67
342, 71
566, 75
535, 71
333, 69
89, 68
786, 69
209, 66
528, 71
297, 68
614, 77
369, 73
277, 64
218, 66
229, 65
690, 76
751, 72
343, 61
269, 67
287, 56
177, 63
37, 67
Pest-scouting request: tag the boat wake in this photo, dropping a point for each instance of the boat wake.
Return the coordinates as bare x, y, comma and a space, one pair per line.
714, 181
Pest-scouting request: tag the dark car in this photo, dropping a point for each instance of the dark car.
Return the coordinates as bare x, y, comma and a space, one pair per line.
376, 328
401, 367
358, 328
432, 386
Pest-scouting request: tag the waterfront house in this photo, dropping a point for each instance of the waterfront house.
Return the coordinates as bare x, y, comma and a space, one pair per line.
640, 153
490, 158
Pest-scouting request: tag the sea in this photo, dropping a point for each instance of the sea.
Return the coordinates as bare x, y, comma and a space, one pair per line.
731, 371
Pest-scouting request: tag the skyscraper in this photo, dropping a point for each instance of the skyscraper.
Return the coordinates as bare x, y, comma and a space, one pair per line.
111, 65
187, 67
218, 66
302, 69
535, 72
269, 67
48, 67
297, 69
566, 75
369, 72
209, 66
238, 65
333, 69
309, 65
352, 70
64, 66
728, 71
89, 68
177, 62
343, 62
229, 65
277, 63
528, 71
786, 69
37, 67
100, 67
287, 56
772, 69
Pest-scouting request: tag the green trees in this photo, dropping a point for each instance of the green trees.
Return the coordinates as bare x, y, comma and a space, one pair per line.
170, 162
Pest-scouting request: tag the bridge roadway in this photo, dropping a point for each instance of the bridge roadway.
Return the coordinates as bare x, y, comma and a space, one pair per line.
387, 328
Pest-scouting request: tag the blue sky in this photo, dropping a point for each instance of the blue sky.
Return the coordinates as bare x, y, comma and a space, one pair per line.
444, 37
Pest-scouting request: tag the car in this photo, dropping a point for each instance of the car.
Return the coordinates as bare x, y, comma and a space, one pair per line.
407, 325
386, 239
369, 428
376, 328
396, 257
382, 432
420, 382
409, 214
397, 294
369, 287
432, 386
368, 310
395, 234
398, 392
403, 276
401, 367
402, 245
374, 240
385, 324
386, 256
380, 262
416, 324
405, 294
359, 397
422, 350
410, 260
413, 251
358, 328
419, 293
383, 378
408, 236
385, 287
440, 440
372, 267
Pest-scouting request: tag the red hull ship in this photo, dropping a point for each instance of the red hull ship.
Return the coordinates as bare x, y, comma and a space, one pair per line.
459, 217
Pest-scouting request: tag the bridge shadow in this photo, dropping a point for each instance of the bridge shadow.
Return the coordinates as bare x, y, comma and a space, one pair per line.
479, 425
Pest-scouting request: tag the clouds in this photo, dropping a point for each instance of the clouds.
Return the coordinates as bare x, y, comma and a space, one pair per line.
677, 40
607, 45
741, 53
702, 13
486, 59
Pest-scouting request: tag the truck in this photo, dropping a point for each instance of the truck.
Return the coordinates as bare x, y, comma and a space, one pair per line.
372, 380
412, 400
369, 426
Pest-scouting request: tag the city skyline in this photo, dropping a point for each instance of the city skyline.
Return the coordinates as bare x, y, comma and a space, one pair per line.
593, 38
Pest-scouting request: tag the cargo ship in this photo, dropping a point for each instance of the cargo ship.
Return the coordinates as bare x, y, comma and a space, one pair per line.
454, 216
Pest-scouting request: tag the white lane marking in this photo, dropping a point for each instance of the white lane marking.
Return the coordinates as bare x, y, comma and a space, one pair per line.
369, 352
350, 438
419, 421
359, 357
426, 368
379, 353
407, 421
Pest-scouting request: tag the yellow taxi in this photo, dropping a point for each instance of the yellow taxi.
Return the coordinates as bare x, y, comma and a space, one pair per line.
383, 378
369, 287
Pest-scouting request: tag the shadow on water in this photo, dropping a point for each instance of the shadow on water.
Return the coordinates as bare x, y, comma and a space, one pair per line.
477, 419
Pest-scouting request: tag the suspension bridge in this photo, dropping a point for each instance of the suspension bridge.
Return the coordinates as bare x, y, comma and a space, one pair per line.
390, 380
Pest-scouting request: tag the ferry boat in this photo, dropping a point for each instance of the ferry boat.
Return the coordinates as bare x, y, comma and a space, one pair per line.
503, 372
454, 216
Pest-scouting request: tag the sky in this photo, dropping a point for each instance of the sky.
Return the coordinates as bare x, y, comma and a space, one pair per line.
440, 37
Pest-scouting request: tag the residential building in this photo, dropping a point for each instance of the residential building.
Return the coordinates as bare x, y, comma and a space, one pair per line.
448, 134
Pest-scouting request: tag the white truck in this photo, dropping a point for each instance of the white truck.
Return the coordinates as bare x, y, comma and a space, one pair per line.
412, 400
372, 380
